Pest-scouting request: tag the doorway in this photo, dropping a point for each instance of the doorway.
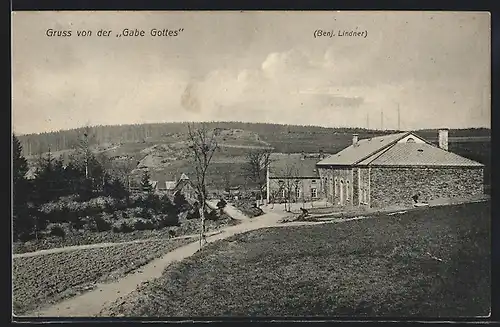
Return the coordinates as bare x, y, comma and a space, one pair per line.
341, 195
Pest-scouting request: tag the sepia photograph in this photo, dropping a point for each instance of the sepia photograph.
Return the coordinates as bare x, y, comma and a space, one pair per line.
251, 164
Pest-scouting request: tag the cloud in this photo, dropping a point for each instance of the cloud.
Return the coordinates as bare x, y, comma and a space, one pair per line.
284, 82
189, 99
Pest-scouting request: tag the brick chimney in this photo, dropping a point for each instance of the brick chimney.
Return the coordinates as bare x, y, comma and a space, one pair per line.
354, 139
321, 154
443, 138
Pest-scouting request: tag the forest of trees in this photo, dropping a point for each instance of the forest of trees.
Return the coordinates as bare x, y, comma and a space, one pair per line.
284, 138
84, 178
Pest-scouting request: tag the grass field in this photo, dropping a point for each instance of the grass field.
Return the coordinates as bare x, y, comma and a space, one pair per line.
433, 262
45, 279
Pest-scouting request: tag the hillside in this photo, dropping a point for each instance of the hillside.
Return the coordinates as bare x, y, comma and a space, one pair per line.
284, 138
162, 149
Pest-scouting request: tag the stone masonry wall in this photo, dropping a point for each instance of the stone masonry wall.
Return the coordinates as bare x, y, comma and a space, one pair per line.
328, 177
364, 179
355, 186
396, 186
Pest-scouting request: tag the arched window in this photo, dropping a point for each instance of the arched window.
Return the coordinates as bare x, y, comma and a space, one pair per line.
297, 192
347, 190
410, 140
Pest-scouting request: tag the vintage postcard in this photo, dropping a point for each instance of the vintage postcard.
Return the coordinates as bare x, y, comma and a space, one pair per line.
251, 164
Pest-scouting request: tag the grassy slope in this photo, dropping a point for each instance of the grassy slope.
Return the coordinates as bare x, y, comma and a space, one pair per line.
373, 267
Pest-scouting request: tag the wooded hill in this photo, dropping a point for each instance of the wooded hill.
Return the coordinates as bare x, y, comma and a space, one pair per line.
283, 138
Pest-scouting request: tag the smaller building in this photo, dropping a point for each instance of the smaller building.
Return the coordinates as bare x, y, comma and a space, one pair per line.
183, 185
293, 177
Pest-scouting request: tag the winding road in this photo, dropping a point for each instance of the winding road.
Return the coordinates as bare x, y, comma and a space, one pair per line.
91, 303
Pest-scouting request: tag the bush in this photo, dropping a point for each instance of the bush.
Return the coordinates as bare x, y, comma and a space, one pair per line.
78, 224
167, 220
101, 224
212, 215
193, 214
116, 189
57, 231
144, 225
180, 203
146, 213
25, 236
125, 228
221, 204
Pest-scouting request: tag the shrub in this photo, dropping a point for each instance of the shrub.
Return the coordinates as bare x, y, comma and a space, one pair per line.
146, 213
221, 204
57, 231
193, 214
166, 205
77, 223
167, 220
125, 228
101, 224
144, 225
25, 236
180, 202
212, 215
116, 189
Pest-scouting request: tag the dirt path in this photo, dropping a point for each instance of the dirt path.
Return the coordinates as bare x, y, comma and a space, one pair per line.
91, 303
100, 245
230, 210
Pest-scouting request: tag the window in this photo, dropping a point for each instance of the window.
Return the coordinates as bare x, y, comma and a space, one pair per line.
336, 187
313, 181
347, 191
297, 192
314, 193
410, 140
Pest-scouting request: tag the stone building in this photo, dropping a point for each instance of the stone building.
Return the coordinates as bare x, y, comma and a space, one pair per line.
293, 177
389, 170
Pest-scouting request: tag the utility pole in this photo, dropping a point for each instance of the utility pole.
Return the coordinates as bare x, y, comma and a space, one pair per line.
399, 119
382, 119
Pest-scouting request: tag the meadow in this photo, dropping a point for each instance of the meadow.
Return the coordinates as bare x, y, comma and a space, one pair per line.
433, 262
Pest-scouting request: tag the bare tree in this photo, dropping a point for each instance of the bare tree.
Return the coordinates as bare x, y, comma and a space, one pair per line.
203, 144
289, 175
123, 168
84, 148
256, 168
106, 164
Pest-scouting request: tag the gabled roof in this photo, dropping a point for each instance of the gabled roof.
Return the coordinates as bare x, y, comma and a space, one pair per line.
181, 184
386, 151
419, 154
364, 149
293, 165
31, 173
170, 185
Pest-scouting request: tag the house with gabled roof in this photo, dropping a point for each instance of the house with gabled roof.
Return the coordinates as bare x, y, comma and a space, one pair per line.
183, 185
293, 177
397, 169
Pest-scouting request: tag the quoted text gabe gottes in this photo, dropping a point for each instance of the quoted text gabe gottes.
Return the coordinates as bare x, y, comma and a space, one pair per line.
126, 32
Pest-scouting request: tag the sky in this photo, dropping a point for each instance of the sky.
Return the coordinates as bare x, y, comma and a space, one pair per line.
433, 68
